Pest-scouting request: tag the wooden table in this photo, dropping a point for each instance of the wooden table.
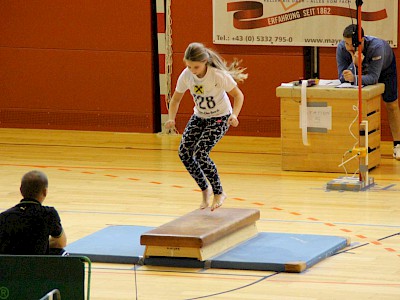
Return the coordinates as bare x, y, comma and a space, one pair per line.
330, 113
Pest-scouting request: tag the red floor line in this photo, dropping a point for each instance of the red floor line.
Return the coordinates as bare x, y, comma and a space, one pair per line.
390, 249
175, 171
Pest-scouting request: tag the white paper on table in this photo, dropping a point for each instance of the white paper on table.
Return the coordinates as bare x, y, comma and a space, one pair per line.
287, 84
347, 85
332, 82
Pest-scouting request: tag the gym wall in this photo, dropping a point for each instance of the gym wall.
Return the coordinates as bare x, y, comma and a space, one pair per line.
88, 65
72, 64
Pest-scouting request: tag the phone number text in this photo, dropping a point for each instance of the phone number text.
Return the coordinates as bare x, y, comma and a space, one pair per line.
257, 38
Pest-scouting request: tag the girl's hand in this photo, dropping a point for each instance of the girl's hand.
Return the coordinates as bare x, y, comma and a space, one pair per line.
233, 120
170, 124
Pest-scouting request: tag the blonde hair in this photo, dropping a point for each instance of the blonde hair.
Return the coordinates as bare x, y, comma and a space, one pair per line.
198, 52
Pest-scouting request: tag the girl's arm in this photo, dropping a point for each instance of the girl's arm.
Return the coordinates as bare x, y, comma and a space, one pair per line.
173, 109
238, 99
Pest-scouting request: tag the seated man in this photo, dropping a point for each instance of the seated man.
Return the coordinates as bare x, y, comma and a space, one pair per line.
29, 228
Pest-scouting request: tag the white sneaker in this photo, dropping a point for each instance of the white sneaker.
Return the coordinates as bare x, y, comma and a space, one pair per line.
396, 152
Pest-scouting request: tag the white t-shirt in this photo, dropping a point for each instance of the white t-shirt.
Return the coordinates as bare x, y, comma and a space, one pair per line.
209, 93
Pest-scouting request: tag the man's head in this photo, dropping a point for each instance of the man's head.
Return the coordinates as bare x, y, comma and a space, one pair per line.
348, 33
34, 185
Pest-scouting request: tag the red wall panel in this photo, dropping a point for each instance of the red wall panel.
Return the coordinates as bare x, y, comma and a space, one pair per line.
75, 80
76, 65
75, 24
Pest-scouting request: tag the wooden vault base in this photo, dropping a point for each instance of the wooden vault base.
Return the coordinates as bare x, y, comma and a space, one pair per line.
202, 233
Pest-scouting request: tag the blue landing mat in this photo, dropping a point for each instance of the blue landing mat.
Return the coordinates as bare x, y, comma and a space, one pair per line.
113, 244
281, 252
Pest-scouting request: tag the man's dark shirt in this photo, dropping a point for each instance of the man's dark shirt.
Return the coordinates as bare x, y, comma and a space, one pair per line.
378, 57
26, 227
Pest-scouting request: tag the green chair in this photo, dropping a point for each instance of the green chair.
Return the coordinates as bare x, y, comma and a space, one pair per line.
32, 276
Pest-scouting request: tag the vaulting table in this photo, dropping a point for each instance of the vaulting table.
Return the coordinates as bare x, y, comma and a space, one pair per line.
321, 141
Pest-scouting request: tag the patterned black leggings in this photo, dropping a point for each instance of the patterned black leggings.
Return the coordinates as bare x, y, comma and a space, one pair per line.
198, 139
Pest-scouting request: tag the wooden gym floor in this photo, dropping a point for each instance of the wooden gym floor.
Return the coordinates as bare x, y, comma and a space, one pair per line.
98, 178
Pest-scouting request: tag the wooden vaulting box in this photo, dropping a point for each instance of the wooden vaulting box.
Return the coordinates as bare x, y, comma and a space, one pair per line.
332, 120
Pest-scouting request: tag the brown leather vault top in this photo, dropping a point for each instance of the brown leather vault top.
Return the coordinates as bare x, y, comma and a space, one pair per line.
200, 228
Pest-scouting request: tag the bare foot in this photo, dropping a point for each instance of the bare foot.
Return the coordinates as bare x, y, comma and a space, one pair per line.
206, 197
218, 200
